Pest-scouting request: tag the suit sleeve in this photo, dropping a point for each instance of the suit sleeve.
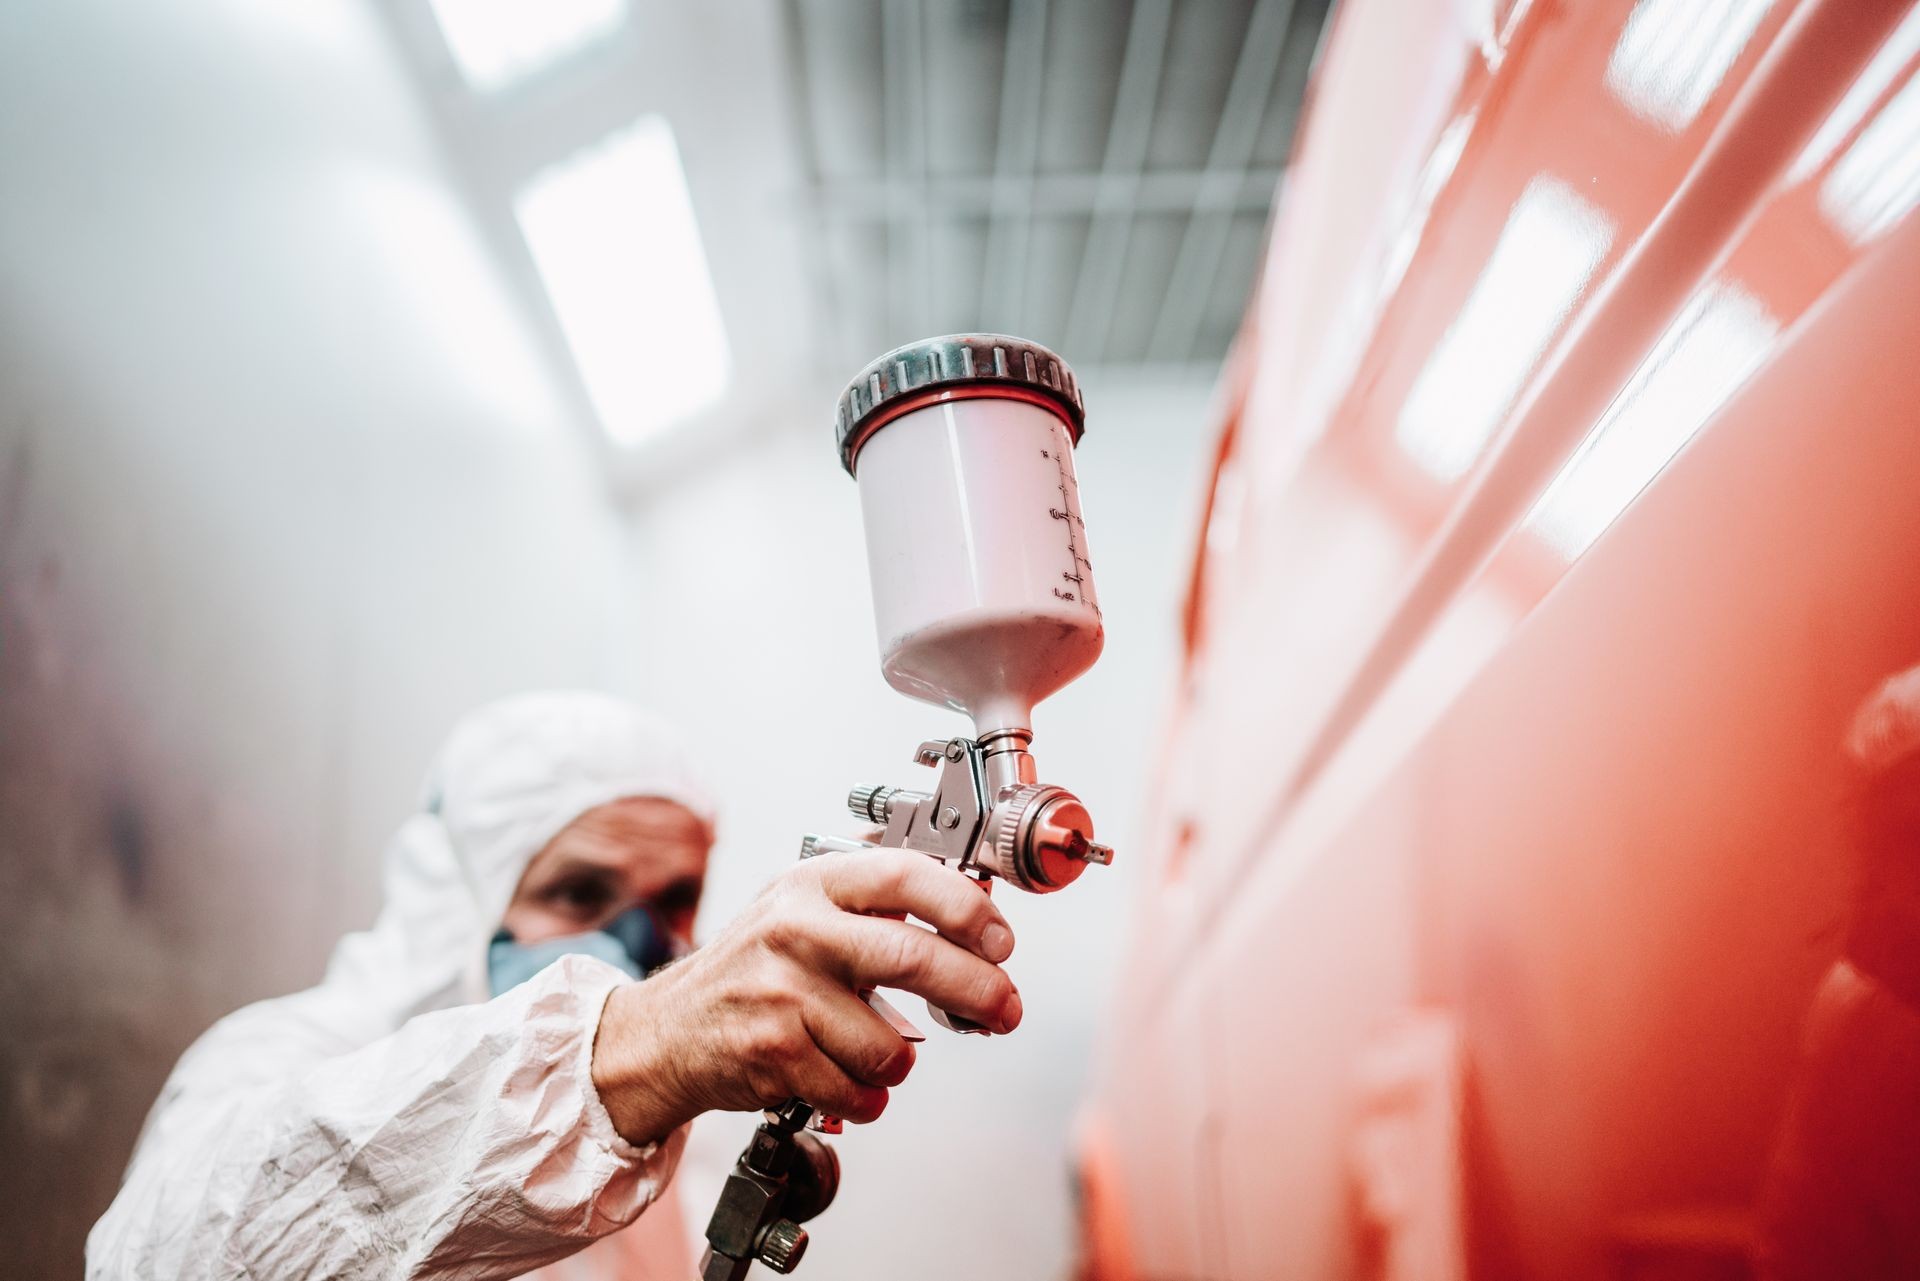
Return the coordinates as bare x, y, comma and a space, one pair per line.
471, 1143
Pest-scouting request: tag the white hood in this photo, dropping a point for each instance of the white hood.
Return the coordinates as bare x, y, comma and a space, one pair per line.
507, 779
393, 1121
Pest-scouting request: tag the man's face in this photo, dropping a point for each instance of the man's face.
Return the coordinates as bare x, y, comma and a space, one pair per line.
636, 851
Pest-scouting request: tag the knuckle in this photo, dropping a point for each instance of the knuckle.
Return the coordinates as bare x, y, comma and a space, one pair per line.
764, 1088
895, 873
979, 911
906, 952
968, 910
796, 885
783, 931
873, 1061
770, 1041
992, 987
949, 884
890, 1064
810, 877
777, 891
863, 1106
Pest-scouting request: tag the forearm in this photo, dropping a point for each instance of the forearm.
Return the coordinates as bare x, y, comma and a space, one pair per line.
641, 1071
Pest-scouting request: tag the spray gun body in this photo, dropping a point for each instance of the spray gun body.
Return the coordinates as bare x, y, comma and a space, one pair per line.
984, 603
987, 816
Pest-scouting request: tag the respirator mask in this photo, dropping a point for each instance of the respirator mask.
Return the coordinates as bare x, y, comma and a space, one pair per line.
634, 942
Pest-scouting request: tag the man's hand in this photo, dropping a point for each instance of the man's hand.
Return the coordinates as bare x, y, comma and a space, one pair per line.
768, 1010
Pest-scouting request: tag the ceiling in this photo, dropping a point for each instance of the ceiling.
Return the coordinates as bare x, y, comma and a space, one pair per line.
1092, 174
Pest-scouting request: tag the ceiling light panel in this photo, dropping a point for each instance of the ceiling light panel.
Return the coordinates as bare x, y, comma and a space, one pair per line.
613, 235
495, 42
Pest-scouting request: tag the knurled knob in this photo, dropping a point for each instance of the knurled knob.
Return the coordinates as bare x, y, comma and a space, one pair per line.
956, 364
872, 803
1010, 831
783, 1246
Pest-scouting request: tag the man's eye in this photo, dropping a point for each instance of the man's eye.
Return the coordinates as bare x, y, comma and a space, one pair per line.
681, 896
588, 896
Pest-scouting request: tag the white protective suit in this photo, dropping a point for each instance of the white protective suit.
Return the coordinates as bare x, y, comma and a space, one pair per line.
393, 1121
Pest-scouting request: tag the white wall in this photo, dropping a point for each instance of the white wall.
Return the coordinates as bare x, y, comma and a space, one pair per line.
759, 640
282, 489
285, 485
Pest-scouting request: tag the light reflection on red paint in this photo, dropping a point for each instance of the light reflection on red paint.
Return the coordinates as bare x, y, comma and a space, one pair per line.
1599, 823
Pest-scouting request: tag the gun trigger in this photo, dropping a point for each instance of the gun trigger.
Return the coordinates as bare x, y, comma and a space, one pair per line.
895, 1019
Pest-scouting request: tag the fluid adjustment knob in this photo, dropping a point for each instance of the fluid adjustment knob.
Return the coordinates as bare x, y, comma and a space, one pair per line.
874, 804
871, 803
783, 1246
878, 805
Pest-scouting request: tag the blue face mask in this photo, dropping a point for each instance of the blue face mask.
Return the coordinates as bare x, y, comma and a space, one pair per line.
633, 942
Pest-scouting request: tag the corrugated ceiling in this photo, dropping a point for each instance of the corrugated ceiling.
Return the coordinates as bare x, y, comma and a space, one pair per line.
1093, 174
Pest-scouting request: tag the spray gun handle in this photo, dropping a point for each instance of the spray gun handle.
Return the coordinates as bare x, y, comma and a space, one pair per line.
900, 1023
954, 1023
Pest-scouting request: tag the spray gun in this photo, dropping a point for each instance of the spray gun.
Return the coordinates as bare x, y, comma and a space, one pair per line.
983, 596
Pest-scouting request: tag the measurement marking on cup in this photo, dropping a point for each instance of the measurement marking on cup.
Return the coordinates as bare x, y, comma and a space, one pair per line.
1067, 516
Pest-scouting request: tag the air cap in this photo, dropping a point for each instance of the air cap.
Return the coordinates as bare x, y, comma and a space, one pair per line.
910, 376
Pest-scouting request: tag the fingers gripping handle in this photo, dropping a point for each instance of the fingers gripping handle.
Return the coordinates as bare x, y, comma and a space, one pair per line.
813, 845
824, 1123
953, 1022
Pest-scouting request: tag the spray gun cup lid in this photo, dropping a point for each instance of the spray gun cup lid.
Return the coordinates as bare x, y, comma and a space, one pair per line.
954, 367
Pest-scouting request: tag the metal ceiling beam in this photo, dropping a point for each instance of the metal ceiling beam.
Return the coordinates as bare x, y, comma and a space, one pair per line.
1097, 286
825, 272
1012, 193
925, 295
1183, 311
1052, 195
1000, 217
903, 108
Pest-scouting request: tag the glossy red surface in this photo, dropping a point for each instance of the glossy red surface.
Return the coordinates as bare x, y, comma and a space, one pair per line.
1513, 915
